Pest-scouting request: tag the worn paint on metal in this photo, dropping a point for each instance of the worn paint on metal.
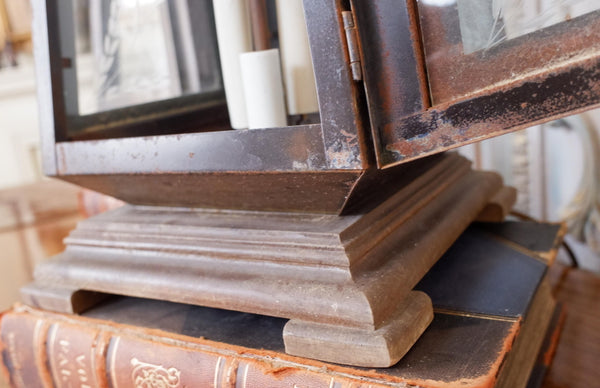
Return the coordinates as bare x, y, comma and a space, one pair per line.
541, 97
346, 143
394, 76
454, 75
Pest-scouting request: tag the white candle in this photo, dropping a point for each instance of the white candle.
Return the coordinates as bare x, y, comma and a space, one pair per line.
298, 73
263, 89
235, 37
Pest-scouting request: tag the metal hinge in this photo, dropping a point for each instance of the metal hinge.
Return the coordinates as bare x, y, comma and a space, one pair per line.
353, 49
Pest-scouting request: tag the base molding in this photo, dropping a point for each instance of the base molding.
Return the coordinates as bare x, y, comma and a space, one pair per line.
352, 272
379, 348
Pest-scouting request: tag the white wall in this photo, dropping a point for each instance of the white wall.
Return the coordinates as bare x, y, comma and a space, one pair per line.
19, 131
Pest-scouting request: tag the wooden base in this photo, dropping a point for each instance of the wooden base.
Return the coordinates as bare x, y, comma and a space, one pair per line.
351, 271
369, 348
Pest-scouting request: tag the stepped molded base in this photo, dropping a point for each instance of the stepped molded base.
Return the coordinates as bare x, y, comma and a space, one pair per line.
351, 272
369, 348
65, 299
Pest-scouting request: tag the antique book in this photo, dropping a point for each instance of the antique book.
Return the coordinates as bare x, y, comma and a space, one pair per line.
549, 345
493, 306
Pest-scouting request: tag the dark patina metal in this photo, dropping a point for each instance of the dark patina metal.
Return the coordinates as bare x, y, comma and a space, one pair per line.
366, 127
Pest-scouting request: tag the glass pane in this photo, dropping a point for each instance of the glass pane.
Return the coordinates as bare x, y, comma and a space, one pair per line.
130, 52
129, 63
473, 44
486, 23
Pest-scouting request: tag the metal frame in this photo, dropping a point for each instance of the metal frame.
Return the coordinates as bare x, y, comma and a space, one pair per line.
381, 122
456, 76
394, 72
524, 81
342, 144
297, 168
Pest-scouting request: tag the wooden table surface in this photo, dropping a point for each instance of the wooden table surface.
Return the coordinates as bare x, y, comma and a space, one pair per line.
577, 359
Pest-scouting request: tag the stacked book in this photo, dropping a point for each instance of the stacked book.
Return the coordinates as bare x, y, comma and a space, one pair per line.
495, 324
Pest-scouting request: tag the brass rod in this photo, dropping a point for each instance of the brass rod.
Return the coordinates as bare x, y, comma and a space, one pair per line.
261, 35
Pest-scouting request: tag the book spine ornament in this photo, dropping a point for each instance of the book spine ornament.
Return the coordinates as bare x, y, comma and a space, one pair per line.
50, 352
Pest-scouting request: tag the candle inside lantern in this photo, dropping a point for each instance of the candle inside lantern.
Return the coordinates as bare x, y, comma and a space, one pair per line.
235, 37
263, 89
298, 73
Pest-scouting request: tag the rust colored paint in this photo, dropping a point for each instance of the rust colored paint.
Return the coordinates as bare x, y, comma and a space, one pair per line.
540, 97
338, 93
342, 152
394, 76
417, 39
454, 75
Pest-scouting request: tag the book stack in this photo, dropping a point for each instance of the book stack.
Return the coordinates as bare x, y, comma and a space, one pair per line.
493, 316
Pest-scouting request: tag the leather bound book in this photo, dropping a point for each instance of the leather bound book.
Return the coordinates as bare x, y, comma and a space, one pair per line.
492, 301
546, 354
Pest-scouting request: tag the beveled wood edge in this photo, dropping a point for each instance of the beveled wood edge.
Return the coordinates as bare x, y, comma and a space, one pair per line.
57, 298
366, 348
499, 206
267, 295
318, 239
398, 208
251, 282
421, 241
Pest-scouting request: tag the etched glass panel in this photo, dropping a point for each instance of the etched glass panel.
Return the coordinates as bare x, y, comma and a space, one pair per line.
474, 45
486, 23
131, 52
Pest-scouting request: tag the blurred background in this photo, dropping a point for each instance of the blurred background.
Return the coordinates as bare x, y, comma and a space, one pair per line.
555, 167
36, 212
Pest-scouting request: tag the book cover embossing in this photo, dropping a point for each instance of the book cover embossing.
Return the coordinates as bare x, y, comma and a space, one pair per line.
146, 375
72, 367
15, 360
